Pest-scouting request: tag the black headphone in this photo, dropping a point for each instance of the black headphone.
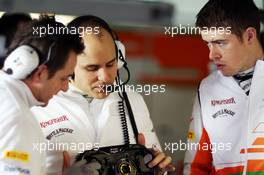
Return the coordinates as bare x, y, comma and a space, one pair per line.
119, 47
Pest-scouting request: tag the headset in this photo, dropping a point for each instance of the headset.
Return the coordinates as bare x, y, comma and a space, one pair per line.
23, 60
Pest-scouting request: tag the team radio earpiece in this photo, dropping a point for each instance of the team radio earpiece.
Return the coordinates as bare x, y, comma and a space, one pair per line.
120, 54
23, 60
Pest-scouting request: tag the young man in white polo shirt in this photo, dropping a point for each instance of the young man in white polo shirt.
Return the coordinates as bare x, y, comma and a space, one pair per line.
227, 120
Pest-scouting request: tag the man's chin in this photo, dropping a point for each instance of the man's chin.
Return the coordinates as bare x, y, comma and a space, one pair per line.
228, 74
100, 95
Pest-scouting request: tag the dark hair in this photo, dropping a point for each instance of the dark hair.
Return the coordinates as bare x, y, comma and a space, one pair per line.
9, 24
237, 14
59, 44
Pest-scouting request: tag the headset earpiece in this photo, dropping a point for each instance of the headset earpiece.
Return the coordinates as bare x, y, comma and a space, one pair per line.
120, 54
21, 62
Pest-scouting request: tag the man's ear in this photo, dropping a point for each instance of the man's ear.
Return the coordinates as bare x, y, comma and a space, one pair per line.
40, 74
250, 35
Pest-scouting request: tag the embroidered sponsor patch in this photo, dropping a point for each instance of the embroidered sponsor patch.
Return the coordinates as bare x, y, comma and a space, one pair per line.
20, 170
223, 102
224, 113
16, 155
53, 121
58, 132
191, 135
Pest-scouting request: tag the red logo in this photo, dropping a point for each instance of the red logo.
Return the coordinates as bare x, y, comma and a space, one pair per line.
223, 102
53, 121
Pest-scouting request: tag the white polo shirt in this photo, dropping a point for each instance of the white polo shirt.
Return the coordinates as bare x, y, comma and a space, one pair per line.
19, 130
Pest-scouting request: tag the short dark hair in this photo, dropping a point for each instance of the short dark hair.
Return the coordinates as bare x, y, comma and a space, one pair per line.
10, 22
237, 14
59, 44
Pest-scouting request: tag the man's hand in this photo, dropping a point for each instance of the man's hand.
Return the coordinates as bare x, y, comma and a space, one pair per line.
66, 161
160, 160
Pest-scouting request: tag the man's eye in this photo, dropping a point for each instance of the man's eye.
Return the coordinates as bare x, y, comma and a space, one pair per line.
110, 65
221, 44
92, 68
65, 79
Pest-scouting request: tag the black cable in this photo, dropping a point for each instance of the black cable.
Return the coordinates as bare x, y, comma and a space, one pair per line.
122, 113
131, 116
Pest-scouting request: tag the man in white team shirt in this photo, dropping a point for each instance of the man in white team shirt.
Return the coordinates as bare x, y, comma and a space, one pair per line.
86, 114
227, 119
35, 69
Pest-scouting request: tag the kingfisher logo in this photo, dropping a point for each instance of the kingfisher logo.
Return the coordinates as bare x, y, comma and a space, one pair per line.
224, 113
53, 121
223, 102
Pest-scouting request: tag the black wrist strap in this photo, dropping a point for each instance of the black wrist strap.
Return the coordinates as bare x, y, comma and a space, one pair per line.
131, 115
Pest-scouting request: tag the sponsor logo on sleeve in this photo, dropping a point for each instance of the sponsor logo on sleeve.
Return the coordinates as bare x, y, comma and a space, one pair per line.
191, 135
19, 170
16, 155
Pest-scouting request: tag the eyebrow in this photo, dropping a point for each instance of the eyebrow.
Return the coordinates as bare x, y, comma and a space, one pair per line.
215, 41
96, 65
111, 61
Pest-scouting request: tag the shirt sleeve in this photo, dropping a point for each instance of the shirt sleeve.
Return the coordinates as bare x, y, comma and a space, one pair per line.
20, 155
198, 157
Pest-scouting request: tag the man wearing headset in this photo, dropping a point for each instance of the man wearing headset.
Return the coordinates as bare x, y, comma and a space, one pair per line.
86, 113
227, 120
35, 69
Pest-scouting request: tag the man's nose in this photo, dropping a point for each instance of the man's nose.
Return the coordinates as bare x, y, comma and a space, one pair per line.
213, 53
65, 86
103, 75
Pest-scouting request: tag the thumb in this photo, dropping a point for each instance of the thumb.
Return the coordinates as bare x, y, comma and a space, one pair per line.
66, 160
141, 139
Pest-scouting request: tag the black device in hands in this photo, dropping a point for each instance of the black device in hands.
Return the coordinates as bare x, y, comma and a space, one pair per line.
120, 160
127, 159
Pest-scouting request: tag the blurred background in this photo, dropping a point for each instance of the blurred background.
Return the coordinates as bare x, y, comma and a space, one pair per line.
155, 55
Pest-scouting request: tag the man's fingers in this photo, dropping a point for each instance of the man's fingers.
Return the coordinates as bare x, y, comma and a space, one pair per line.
169, 168
66, 161
162, 161
165, 162
158, 158
141, 139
